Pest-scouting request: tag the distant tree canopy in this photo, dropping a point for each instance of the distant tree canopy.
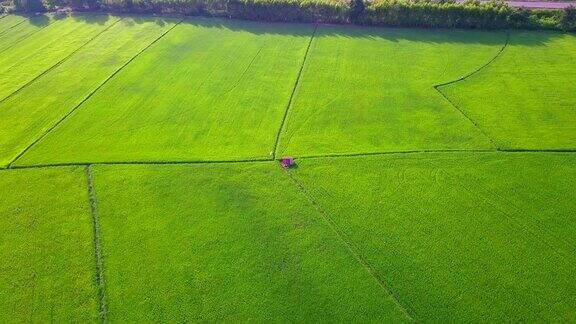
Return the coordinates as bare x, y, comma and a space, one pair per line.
405, 13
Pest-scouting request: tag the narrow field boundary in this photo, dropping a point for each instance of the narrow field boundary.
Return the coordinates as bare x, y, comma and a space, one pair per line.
59, 62
350, 246
90, 95
296, 83
354, 154
265, 160
438, 86
72, 164
103, 309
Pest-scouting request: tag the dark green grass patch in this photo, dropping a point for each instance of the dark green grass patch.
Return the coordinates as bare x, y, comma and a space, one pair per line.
46, 247
526, 99
209, 90
33, 56
371, 90
460, 237
27, 115
21, 29
225, 242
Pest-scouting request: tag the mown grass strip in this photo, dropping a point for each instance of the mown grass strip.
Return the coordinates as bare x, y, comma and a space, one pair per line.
103, 310
354, 251
296, 83
89, 95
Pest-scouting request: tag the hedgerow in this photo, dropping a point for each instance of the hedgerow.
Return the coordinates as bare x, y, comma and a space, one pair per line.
402, 13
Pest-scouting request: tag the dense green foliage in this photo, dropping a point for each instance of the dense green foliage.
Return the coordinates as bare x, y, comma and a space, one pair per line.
460, 237
46, 272
535, 105
470, 14
226, 243
209, 90
371, 90
406, 13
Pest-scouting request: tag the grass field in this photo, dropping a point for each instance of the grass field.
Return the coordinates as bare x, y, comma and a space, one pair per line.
140, 182
209, 90
535, 71
28, 114
46, 248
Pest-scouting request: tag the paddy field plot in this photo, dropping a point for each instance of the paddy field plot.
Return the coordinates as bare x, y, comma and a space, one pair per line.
30, 113
459, 237
372, 90
226, 242
14, 29
526, 99
46, 247
43, 50
208, 90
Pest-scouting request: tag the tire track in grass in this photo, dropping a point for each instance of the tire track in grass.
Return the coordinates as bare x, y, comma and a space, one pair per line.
438, 86
351, 247
296, 83
90, 95
59, 62
103, 309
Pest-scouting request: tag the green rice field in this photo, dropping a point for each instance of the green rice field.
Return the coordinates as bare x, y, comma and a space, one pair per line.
434, 177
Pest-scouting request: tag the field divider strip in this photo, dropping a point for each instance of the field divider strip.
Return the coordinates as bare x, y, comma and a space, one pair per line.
264, 160
438, 87
90, 94
59, 62
103, 308
296, 83
350, 246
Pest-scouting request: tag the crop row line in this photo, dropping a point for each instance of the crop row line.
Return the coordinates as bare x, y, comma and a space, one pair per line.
103, 309
261, 160
59, 62
350, 246
61, 120
296, 83
438, 86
